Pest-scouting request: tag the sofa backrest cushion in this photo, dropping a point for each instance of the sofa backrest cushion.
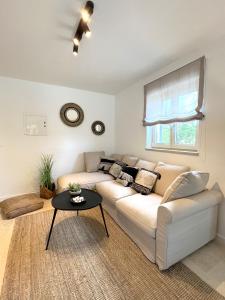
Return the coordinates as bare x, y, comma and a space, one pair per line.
144, 164
168, 174
117, 156
186, 184
130, 160
92, 160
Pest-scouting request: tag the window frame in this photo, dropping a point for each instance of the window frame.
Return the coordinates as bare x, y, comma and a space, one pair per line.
152, 144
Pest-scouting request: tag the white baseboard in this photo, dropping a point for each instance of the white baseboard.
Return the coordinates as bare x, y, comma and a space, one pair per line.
220, 238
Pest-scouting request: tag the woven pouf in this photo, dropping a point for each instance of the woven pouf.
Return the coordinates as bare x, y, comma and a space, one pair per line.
17, 206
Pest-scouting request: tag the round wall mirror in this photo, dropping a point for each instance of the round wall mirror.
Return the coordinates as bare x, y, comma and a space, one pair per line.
98, 127
72, 114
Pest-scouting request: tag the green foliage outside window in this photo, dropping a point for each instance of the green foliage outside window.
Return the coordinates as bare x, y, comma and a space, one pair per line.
186, 133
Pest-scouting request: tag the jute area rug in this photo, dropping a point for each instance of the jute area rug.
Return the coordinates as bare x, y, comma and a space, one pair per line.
82, 263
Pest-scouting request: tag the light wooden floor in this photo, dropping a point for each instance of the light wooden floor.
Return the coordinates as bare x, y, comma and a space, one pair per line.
208, 262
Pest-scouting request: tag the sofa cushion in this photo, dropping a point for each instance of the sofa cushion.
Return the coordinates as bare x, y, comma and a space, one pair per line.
19, 205
144, 164
105, 164
127, 176
168, 174
117, 156
141, 210
116, 168
130, 160
186, 184
144, 181
92, 160
86, 180
112, 190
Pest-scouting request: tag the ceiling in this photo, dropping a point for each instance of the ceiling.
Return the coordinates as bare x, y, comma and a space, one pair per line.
130, 39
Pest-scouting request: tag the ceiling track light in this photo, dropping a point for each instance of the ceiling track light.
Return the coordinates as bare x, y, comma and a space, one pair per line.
83, 26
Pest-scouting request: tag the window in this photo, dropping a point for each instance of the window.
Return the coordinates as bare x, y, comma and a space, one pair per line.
173, 108
176, 136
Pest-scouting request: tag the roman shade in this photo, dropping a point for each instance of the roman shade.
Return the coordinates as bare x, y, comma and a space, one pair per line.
176, 97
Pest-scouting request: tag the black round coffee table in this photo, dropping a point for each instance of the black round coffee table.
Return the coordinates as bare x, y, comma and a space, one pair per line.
62, 202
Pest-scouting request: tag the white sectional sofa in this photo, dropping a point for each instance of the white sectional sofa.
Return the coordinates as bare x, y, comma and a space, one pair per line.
165, 232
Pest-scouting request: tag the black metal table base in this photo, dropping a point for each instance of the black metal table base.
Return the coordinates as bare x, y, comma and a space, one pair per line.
103, 217
50, 232
53, 220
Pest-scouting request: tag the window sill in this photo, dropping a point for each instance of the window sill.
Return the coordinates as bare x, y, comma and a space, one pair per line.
175, 151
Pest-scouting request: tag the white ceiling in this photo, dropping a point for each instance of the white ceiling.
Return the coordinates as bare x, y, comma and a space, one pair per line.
130, 39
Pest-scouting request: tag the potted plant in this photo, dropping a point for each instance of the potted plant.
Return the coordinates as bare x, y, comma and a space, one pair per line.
47, 186
74, 189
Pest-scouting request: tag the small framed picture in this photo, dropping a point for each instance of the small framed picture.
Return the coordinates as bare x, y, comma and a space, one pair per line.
35, 125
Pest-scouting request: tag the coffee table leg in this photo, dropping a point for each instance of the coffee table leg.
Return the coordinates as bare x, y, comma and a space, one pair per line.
50, 232
103, 217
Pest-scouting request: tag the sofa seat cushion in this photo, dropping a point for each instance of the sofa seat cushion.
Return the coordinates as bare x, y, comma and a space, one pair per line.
86, 180
141, 210
112, 190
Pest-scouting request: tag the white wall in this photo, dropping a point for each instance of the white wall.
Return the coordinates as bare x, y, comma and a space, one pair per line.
20, 154
130, 134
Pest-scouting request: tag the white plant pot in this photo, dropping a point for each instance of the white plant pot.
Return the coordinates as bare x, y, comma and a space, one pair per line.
77, 193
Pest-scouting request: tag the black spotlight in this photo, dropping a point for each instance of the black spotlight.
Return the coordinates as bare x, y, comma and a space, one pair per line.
87, 11
78, 34
85, 28
75, 50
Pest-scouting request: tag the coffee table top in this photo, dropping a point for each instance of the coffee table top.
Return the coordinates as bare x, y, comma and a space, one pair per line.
62, 200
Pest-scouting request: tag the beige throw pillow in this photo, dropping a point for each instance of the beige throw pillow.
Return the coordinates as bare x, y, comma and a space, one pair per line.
92, 160
116, 168
168, 174
144, 182
186, 184
146, 178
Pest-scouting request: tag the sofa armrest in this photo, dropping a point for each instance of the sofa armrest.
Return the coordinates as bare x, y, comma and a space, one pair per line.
184, 225
178, 209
